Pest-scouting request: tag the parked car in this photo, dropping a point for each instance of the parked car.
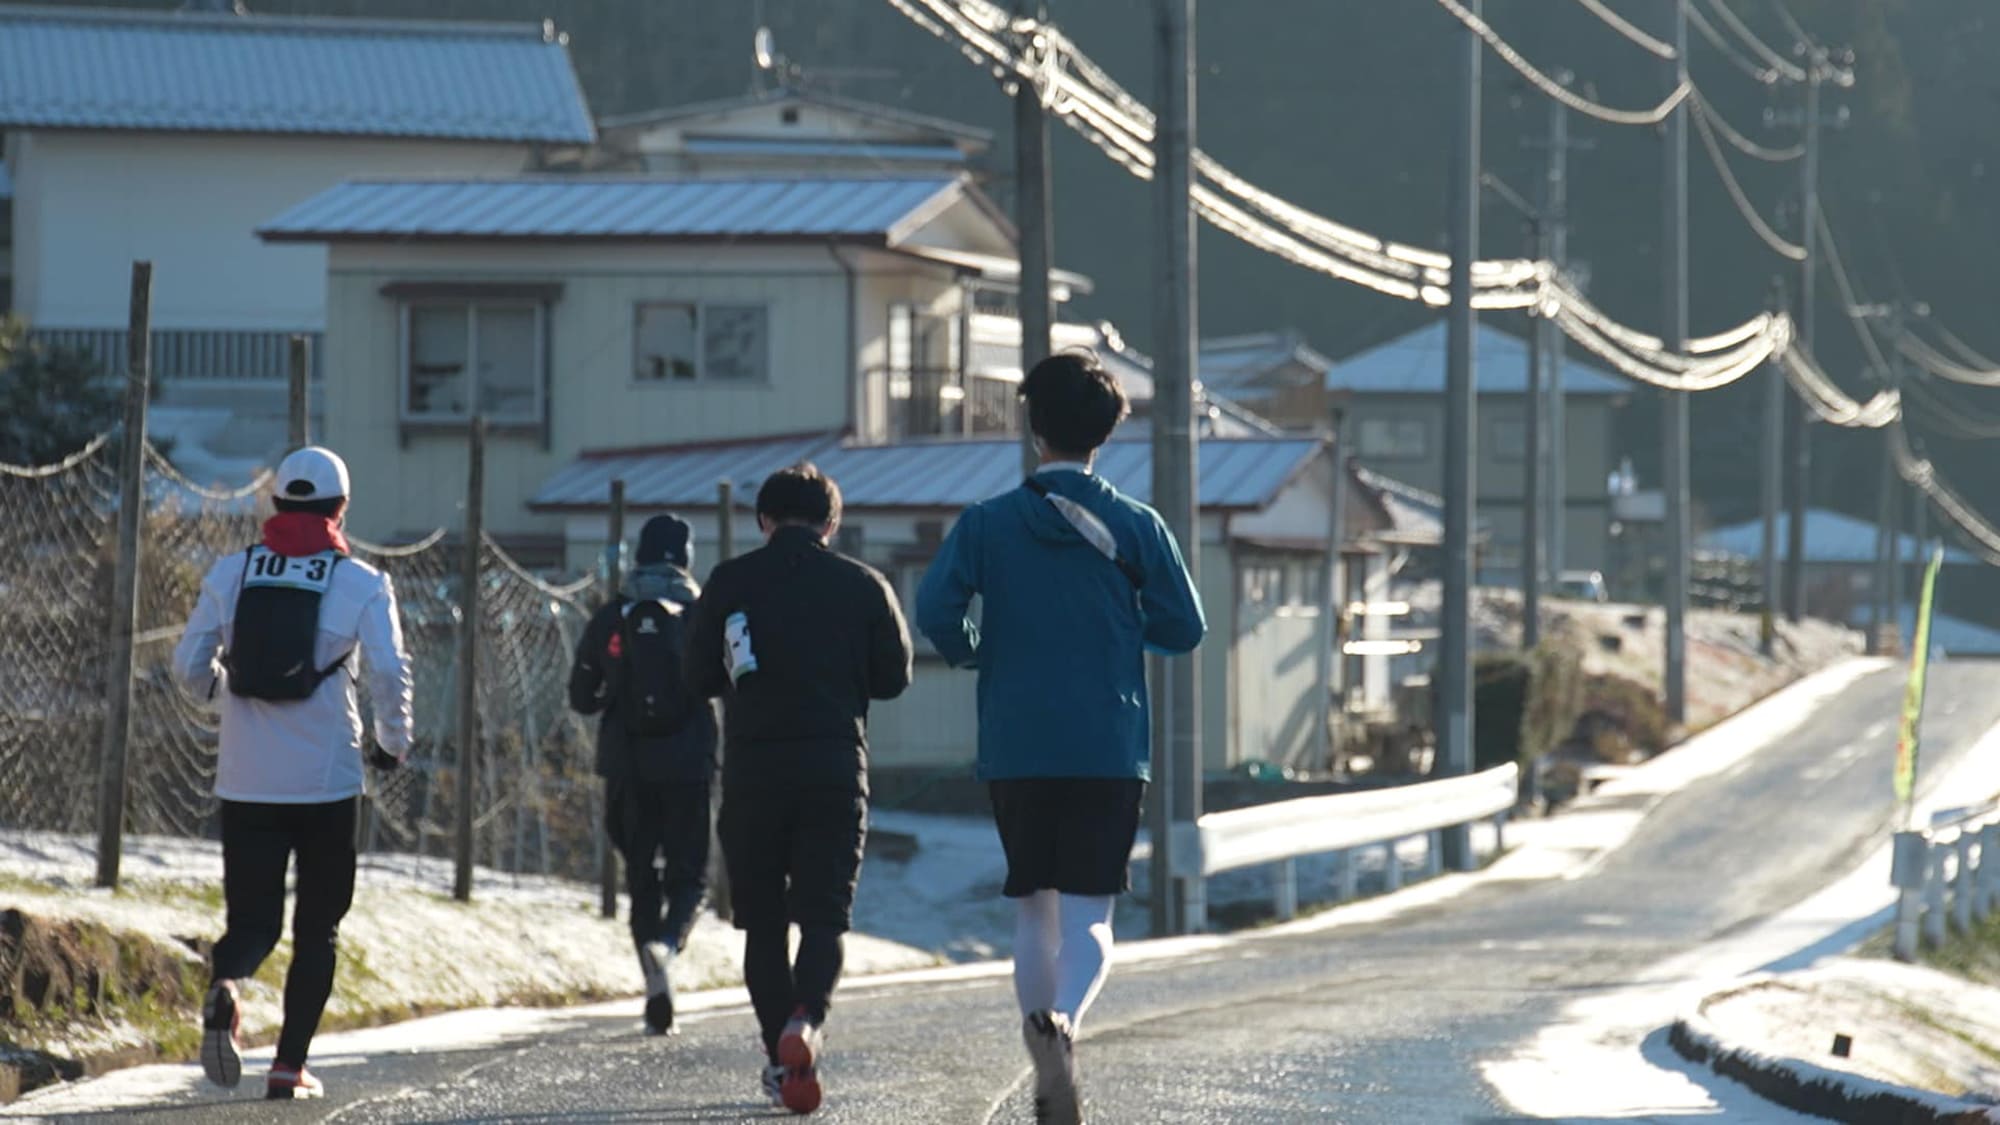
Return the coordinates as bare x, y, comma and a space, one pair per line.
1582, 585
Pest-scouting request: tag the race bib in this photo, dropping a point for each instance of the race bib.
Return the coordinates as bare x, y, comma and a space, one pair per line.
312, 573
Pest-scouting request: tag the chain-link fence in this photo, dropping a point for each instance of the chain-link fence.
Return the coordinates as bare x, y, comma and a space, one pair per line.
536, 807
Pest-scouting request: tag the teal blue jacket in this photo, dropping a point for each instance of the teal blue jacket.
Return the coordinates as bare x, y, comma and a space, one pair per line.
1061, 633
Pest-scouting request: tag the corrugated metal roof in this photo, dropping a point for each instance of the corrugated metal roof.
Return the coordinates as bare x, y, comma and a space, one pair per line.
611, 207
103, 68
854, 150
1414, 364
1235, 473
1231, 360
1831, 537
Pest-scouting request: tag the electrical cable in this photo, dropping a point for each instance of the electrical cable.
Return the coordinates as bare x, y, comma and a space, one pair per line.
1741, 143
1624, 27
1744, 207
1762, 75
1785, 67
1849, 295
1507, 54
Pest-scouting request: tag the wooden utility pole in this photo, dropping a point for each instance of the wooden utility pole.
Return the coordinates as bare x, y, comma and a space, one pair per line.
1032, 185
299, 432
468, 657
614, 573
117, 736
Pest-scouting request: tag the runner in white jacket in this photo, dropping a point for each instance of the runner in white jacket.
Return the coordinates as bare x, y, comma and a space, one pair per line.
289, 770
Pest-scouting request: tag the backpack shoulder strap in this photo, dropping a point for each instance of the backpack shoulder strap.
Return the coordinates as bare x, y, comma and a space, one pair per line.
1094, 530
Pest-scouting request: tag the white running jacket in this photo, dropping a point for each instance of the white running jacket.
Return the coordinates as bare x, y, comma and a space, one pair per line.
307, 751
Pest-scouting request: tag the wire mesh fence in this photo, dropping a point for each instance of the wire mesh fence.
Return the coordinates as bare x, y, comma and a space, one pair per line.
535, 808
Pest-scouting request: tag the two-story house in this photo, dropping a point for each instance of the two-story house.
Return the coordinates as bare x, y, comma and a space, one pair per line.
167, 136
1393, 399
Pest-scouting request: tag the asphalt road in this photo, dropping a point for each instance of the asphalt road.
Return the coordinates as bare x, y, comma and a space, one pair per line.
1381, 1022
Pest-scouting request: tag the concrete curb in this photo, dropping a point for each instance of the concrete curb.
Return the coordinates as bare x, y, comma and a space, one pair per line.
1808, 1087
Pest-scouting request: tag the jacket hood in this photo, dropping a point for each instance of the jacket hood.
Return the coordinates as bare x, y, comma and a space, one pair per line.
663, 580
1048, 524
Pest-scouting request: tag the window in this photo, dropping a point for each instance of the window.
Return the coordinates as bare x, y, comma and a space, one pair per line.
685, 342
473, 356
1396, 438
1508, 438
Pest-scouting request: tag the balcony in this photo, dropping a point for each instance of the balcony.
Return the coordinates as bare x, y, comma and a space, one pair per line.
198, 354
938, 402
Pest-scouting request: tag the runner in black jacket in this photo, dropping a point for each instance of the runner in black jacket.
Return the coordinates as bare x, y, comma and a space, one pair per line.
656, 786
796, 640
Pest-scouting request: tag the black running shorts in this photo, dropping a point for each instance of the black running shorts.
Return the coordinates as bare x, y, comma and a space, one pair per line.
1067, 834
793, 854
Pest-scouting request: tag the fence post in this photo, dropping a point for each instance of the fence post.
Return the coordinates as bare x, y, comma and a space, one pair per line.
111, 760
614, 574
1285, 889
725, 549
1908, 873
1989, 875
468, 656
299, 428
1934, 889
1350, 876
1962, 886
1392, 868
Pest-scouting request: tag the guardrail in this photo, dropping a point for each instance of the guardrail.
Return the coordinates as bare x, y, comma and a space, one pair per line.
1280, 833
1948, 876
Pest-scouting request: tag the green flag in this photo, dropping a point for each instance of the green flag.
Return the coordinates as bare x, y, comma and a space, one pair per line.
1913, 696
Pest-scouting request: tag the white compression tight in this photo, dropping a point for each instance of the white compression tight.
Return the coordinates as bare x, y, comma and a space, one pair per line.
1062, 950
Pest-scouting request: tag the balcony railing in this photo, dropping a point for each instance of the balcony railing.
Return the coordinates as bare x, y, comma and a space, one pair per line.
937, 402
180, 353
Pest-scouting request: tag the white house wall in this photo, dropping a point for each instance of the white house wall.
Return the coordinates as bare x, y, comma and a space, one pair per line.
88, 204
595, 401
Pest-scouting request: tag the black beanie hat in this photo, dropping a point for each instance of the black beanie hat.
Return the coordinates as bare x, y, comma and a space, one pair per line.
665, 539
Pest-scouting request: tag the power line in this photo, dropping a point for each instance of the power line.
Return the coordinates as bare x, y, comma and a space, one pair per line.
1785, 67
1963, 349
1850, 296
1744, 207
1741, 143
1760, 74
1624, 27
1557, 90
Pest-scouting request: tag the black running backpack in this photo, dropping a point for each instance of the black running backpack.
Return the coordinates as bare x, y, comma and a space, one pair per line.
652, 697
273, 644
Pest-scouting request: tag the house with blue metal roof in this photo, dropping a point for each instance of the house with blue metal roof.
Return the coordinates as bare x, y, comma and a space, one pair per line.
1839, 561
1266, 518
168, 135
587, 310
1392, 400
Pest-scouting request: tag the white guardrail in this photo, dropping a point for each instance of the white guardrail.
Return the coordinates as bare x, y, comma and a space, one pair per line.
1278, 834
1947, 875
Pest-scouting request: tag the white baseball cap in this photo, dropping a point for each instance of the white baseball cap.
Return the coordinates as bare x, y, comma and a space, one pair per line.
312, 473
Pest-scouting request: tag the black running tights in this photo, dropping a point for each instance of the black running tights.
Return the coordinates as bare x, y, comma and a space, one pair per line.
258, 843
779, 986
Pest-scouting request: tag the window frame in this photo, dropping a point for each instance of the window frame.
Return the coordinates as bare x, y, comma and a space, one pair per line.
701, 376
471, 304
1421, 425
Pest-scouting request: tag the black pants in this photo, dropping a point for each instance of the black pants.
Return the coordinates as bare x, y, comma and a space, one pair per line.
661, 829
258, 842
794, 855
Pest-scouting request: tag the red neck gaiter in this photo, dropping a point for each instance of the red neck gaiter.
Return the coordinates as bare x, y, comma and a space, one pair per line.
297, 534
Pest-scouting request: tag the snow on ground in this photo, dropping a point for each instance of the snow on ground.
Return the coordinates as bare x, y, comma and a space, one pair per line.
1910, 1026
406, 946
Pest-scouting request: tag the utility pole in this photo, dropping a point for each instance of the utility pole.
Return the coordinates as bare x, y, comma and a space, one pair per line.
1888, 539
117, 736
1032, 186
1179, 898
299, 403
1772, 486
1674, 333
1799, 423
465, 839
1553, 207
1455, 672
1533, 455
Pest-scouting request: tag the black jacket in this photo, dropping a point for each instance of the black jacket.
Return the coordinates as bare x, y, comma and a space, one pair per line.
685, 756
828, 638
